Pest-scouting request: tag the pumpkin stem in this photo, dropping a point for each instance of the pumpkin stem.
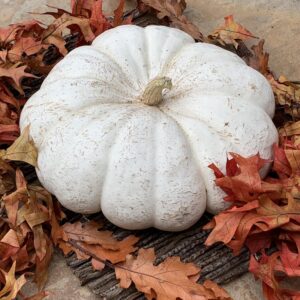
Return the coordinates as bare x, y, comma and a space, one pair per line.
153, 91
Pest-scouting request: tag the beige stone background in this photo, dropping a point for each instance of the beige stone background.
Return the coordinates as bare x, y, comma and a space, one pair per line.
277, 21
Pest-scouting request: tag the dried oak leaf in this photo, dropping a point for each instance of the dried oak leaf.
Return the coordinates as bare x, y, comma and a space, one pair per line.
9, 245
54, 33
88, 241
26, 45
16, 73
125, 247
171, 279
231, 32
286, 94
173, 10
98, 21
7, 178
82, 7
118, 15
260, 60
22, 149
12, 285
89, 233
245, 183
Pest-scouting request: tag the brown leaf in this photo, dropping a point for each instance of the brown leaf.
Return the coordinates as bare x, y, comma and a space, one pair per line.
260, 60
12, 285
124, 247
82, 7
226, 223
9, 245
231, 32
98, 21
26, 45
97, 265
286, 94
7, 178
171, 279
246, 183
15, 73
37, 65
22, 149
54, 33
118, 15
173, 10
41, 271
293, 157
89, 233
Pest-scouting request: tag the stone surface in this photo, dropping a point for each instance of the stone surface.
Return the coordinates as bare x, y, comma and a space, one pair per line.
277, 21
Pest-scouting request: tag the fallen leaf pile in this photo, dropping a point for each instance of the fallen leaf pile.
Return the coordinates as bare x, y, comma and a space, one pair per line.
26, 214
264, 215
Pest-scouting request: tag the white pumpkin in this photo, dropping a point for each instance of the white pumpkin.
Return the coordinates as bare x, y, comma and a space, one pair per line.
129, 125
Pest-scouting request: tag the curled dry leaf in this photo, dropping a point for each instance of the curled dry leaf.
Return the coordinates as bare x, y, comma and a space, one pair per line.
171, 279
54, 33
88, 241
173, 10
231, 32
12, 285
15, 73
286, 94
260, 60
22, 149
24, 237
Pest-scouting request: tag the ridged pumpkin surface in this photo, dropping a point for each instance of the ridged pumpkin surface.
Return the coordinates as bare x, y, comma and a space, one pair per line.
101, 148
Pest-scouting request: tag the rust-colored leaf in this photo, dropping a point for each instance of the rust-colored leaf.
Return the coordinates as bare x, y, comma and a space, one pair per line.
171, 279
231, 32
90, 234
15, 73
173, 10
97, 265
246, 183
124, 248
118, 15
54, 33
260, 60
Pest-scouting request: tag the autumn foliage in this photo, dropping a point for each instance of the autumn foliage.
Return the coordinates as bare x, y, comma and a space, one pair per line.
264, 214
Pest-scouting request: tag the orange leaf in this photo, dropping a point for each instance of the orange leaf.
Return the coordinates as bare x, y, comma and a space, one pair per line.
231, 31
89, 233
118, 15
171, 279
125, 247
98, 21
97, 265
173, 10
54, 33
246, 183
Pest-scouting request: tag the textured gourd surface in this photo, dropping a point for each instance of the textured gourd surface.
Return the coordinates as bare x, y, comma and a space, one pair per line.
101, 148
